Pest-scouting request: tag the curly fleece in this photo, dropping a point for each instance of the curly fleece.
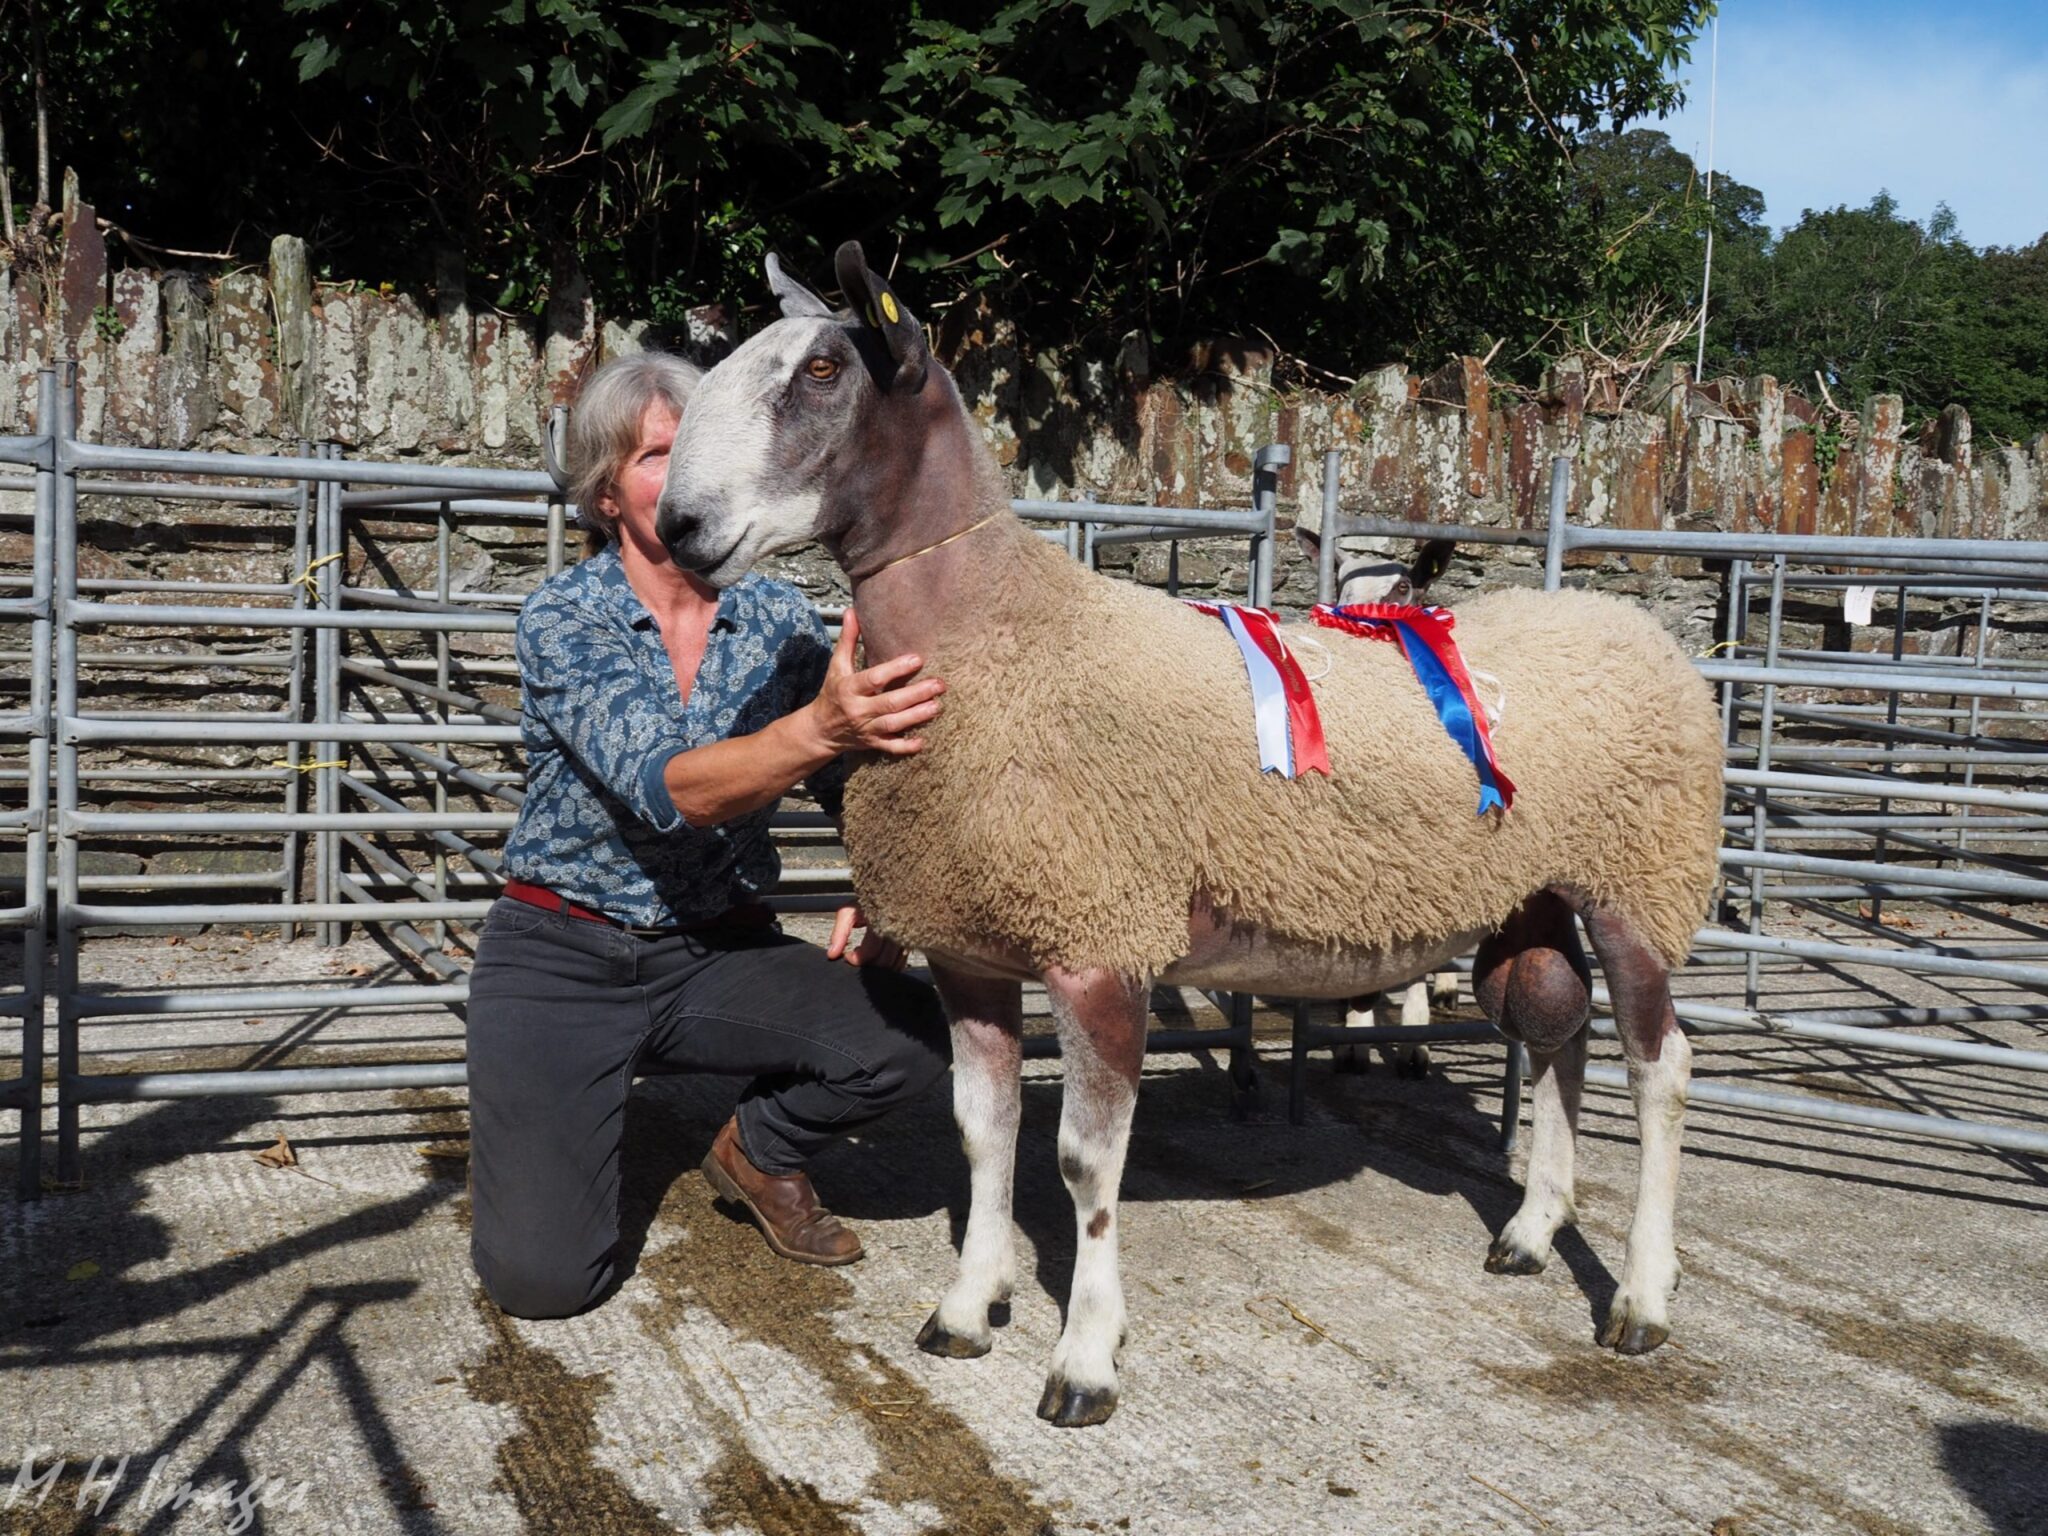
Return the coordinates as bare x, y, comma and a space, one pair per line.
1095, 774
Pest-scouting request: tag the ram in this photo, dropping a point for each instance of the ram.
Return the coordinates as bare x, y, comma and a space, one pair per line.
1089, 811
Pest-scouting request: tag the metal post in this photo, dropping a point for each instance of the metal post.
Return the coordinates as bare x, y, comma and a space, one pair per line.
1326, 546
35, 893
295, 688
444, 534
1560, 503
1511, 1097
1760, 817
64, 591
1890, 745
327, 686
1737, 631
1976, 709
1266, 501
558, 512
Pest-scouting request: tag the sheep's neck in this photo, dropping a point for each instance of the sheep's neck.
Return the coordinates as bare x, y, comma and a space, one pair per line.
918, 605
914, 604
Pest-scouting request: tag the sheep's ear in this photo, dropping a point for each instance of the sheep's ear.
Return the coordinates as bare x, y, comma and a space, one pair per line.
877, 305
798, 301
1431, 561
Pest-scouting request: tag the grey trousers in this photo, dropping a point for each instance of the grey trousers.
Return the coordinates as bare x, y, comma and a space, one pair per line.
563, 1012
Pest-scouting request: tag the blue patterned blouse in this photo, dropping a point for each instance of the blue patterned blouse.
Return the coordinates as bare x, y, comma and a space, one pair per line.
601, 718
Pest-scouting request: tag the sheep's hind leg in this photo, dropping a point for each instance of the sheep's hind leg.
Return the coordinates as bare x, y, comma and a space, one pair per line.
988, 1055
1659, 1068
1533, 982
1101, 1021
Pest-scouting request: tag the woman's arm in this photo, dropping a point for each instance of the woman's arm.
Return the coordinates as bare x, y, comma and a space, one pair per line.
854, 711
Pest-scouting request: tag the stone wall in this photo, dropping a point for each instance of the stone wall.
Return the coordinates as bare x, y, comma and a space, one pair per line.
260, 358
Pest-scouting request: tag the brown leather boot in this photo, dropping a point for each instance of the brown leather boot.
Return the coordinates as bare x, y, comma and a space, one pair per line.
784, 1206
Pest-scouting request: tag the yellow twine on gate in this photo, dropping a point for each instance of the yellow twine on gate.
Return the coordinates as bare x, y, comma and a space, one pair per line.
285, 762
1719, 646
305, 577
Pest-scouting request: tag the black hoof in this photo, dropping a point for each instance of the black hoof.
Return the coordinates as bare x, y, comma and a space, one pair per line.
1351, 1060
934, 1338
1626, 1336
1072, 1407
1506, 1258
1414, 1068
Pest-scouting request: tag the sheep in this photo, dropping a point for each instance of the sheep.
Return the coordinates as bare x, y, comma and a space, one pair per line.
1380, 578
1089, 813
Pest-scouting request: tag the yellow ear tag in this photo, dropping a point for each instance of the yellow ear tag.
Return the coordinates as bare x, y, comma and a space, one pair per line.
889, 306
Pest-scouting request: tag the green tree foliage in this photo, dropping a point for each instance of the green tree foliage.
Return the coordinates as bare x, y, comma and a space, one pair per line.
1864, 298
1359, 179
1650, 212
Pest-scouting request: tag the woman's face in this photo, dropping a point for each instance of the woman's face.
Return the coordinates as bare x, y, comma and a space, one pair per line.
637, 489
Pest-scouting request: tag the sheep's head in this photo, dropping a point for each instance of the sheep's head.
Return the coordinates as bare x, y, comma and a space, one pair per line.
800, 432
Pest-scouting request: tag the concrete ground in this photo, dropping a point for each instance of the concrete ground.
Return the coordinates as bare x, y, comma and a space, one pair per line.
1861, 1341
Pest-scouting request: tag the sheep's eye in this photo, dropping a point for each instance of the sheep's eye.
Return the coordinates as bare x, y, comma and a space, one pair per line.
823, 369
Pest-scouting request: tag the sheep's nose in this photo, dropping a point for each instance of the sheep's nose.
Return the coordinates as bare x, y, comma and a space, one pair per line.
676, 525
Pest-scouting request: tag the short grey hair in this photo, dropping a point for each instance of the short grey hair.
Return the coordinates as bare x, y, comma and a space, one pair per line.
604, 425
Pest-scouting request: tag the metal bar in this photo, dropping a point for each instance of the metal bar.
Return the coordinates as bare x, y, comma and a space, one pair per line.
269, 914
131, 822
1873, 680
108, 1005
227, 728
2014, 887
2006, 1138
142, 1087
1813, 547
1200, 519
1933, 962
1896, 789
456, 773
439, 691
441, 837
73, 455
166, 616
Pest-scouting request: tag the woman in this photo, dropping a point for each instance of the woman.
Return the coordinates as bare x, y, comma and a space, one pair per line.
663, 720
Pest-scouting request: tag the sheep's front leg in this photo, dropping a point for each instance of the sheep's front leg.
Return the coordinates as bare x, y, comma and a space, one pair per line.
1659, 1069
1101, 1021
988, 1056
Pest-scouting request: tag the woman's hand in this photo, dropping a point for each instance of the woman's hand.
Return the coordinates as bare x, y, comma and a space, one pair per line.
866, 708
873, 949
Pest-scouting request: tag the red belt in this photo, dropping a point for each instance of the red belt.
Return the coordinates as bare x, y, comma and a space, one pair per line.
748, 915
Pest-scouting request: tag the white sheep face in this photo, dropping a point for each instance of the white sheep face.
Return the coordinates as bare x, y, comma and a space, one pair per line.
751, 458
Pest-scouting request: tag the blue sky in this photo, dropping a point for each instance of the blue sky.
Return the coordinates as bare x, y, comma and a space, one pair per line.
1827, 101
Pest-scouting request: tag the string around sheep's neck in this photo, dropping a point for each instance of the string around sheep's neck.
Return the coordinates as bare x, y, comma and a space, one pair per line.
927, 549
